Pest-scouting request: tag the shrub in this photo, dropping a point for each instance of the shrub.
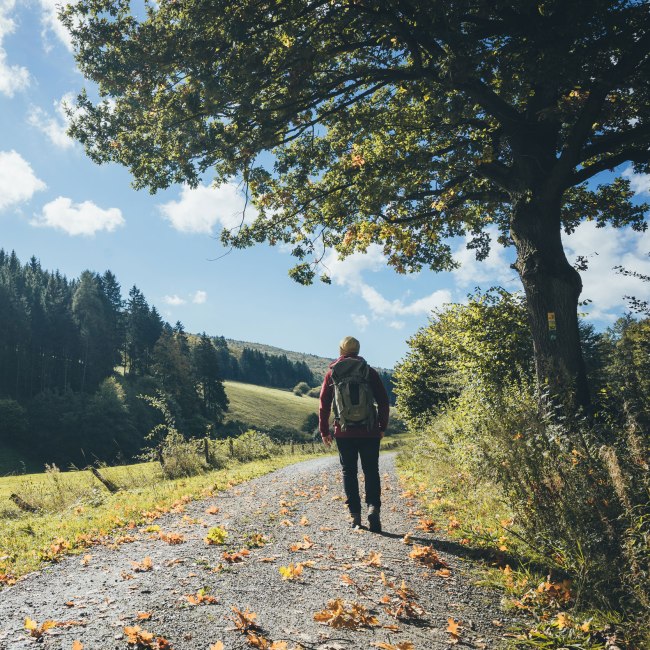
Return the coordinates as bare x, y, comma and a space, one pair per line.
580, 503
314, 392
254, 445
301, 388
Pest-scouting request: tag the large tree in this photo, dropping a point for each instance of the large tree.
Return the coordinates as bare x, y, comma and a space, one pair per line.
405, 123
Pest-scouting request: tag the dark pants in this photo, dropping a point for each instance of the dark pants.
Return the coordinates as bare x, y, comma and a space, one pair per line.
368, 450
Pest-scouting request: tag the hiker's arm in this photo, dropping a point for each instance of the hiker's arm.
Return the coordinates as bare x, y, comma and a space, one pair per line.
326, 397
381, 397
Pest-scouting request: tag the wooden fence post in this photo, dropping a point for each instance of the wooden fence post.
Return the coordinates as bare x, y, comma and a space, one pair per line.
22, 504
107, 483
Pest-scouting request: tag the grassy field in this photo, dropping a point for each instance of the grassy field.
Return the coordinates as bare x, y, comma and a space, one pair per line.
262, 407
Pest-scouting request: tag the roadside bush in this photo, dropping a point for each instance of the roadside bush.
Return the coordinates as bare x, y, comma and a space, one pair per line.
301, 388
314, 392
254, 445
579, 502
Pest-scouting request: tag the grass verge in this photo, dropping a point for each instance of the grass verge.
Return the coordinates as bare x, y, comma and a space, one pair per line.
95, 516
474, 514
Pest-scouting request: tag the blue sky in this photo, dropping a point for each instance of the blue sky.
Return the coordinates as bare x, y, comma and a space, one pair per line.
73, 215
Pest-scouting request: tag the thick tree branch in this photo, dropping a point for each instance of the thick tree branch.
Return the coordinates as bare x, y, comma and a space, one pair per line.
629, 155
605, 143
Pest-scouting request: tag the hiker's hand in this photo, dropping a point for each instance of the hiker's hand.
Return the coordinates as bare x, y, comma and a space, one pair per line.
327, 440
381, 434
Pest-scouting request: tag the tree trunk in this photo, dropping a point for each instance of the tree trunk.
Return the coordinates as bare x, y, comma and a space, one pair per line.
552, 288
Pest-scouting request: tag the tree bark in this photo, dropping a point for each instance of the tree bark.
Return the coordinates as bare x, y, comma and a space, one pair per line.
552, 288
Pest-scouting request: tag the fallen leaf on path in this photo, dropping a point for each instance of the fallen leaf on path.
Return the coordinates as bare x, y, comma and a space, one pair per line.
201, 597
86, 558
406, 539
245, 621
36, 630
443, 573
302, 546
453, 628
217, 646
141, 567
143, 616
256, 540
172, 538
77, 645
373, 559
338, 615
262, 643
403, 645
304, 521
427, 556
291, 572
234, 558
212, 510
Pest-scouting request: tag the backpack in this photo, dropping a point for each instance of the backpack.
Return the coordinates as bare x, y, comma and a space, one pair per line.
354, 401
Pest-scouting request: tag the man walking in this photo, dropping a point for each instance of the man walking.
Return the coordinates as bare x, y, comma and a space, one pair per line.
352, 387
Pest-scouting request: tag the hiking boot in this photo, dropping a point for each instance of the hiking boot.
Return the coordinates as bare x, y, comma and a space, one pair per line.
355, 519
374, 522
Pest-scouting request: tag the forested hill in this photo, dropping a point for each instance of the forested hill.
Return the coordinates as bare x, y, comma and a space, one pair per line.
317, 365
77, 355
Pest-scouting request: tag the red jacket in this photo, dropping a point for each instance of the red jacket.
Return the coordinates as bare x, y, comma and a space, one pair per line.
327, 396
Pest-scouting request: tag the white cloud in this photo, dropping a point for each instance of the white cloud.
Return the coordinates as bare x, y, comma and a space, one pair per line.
397, 324
640, 183
12, 77
18, 182
200, 297
54, 127
78, 218
606, 248
349, 273
51, 22
174, 300
199, 210
493, 270
361, 321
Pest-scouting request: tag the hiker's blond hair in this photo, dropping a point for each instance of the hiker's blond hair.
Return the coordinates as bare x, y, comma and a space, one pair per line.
349, 346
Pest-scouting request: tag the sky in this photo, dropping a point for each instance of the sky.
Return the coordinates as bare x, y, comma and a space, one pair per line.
73, 215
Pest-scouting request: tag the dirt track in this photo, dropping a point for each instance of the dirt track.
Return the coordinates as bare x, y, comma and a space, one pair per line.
104, 592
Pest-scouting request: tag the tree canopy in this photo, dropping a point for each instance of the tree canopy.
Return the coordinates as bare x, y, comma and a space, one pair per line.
404, 124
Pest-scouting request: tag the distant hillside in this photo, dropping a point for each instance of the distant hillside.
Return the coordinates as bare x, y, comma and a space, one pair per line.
318, 365
265, 408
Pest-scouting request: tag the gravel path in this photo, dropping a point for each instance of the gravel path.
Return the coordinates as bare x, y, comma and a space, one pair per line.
103, 592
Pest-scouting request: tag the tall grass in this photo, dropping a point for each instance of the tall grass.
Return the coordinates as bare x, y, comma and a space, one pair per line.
580, 493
